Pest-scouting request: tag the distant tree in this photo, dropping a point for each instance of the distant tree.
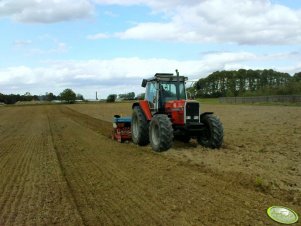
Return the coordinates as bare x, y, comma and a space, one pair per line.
35, 97
127, 96
2, 97
26, 97
140, 96
297, 76
246, 82
111, 98
131, 96
11, 99
79, 97
50, 96
121, 96
68, 95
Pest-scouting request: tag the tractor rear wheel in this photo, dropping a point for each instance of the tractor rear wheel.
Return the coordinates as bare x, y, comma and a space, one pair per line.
139, 127
160, 133
213, 133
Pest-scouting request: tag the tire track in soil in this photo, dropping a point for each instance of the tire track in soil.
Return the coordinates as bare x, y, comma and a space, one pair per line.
83, 203
112, 183
96, 127
240, 178
24, 194
107, 178
50, 192
111, 172
88, 201
59, 160
132, 185
142, 190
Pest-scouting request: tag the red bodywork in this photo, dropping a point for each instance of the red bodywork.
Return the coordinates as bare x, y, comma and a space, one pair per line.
145, 108
175, 108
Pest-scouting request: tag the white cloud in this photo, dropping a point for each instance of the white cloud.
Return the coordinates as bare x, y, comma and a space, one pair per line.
110, 14
121, 75
249, 22
98, 36
155, 4
42, 45
22, 43
219, 21
42, 11
151, 31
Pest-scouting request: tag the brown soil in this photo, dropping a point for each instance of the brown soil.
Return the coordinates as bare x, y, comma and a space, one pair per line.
58, 166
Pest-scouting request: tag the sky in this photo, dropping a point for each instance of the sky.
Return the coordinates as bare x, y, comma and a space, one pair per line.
109, 46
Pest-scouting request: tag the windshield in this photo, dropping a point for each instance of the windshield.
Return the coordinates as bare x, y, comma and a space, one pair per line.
169, 90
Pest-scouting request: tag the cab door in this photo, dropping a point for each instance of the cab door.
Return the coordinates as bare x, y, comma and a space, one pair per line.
152, 96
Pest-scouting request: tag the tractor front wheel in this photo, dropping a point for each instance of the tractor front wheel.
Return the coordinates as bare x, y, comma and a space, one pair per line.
139, 127
213, 133
160, 133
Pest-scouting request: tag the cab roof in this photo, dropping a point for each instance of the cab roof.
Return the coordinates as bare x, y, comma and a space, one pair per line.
167, 77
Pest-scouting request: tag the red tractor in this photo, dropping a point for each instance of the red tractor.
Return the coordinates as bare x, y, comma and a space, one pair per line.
165, 114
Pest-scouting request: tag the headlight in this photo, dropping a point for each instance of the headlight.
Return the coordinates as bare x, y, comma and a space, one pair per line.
188, 117
196, 117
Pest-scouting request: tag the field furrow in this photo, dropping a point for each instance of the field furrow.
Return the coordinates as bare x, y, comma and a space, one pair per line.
75, 159
261, 149
60, 166
15, 173
126, 162
32, 190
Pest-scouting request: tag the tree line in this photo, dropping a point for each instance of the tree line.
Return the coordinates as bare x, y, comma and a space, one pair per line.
126, 96
67, 95
247, 83
218, 84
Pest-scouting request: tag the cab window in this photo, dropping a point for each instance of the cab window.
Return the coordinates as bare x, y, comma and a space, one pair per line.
169, 90
151, 93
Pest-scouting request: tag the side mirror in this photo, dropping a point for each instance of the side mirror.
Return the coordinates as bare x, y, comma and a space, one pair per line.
144, 82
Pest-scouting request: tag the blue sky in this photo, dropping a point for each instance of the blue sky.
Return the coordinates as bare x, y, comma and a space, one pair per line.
110, 45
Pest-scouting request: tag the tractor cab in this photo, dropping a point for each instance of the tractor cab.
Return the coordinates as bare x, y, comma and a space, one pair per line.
163, 88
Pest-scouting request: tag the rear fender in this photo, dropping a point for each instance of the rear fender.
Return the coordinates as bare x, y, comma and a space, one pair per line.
143, 104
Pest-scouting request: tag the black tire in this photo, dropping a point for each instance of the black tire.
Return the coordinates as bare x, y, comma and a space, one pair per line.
213, 134
160, 133
139, 127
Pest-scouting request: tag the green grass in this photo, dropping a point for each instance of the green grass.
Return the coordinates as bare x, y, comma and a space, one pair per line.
216, 101
208, 100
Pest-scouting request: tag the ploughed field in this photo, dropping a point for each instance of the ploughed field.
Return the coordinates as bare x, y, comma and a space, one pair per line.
58, 165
